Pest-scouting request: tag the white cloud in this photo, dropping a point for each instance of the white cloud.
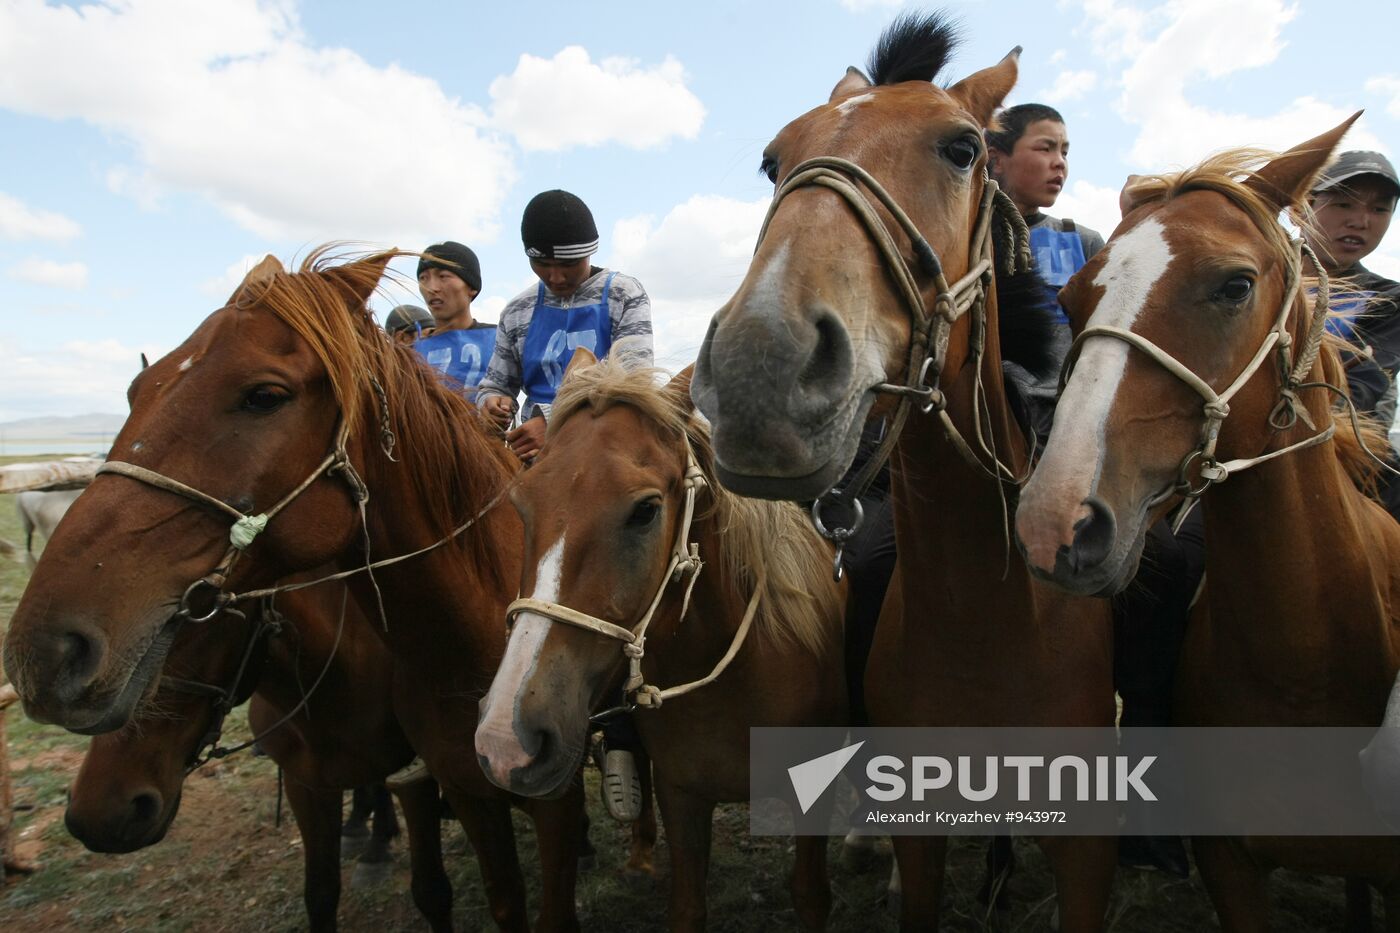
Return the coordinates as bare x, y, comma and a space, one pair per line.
77, 376
1170, 50
72, 275
1069, 85
223, 284
550, 104
690, 262
1387, 86
287, 139
21, 222
1386, 259
1089, 205
1058, 56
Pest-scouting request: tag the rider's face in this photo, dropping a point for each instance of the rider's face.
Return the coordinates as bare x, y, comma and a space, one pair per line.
447, 296
561, 276
1351, 220
1034, 172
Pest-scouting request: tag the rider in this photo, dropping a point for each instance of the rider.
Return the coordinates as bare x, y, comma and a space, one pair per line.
406, 323
575, 304
1352, 202
449, 278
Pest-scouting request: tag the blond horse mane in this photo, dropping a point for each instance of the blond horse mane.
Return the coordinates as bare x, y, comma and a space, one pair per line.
799, 593
1225, 173
453, 466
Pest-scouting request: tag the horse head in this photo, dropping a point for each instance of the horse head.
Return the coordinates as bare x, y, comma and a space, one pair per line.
127, 791
1181, 319
601, 506
258, 411
878, 194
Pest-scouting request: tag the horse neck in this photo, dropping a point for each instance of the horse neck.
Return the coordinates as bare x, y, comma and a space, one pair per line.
936, 489
445, 608
1296, 559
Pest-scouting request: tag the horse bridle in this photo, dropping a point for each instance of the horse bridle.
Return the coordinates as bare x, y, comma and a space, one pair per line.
246, 526
930, 326
1216, 408
685, 561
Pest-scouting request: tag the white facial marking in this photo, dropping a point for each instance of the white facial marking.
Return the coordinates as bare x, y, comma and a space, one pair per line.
851, 103
137, 445
526, 637
1136, 262
187, 363
767, 294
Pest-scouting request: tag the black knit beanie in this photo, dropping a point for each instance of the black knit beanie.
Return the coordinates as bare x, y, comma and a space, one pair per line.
459, 260
558, 225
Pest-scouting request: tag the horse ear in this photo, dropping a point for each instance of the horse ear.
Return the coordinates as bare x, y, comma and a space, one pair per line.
853, 80
358, 280
144, 362
1289, 177
982, 93
680, 387
582, 359
264, 270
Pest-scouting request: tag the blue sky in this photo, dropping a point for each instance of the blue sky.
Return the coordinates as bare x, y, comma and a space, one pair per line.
150, 148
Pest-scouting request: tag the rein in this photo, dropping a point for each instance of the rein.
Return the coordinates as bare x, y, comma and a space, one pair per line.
685, 561
1216, 408
930, 325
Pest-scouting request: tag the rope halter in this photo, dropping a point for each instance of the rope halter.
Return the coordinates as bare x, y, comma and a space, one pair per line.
685, 564
930, 324
1216, 405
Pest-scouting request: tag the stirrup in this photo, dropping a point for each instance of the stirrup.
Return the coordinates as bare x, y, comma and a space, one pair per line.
410, 773
622, 788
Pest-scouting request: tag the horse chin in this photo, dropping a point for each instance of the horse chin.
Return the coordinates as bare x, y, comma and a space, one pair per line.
800, 467
128, 836
139, 682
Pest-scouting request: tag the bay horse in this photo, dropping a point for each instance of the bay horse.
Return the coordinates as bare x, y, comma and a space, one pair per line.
881, 200
1299, 624
609, 538
314, 645
290, 402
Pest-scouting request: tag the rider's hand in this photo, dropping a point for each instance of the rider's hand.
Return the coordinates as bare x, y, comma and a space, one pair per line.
526, 440
498, 409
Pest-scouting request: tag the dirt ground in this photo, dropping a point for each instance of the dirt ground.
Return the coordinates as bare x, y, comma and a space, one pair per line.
227, 865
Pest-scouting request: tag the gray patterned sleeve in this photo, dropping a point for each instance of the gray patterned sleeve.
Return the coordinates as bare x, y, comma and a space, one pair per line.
503, 376
630, 310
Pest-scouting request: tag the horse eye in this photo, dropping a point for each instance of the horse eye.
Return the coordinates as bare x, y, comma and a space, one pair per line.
643, 514
769, 168
264, 399
962, 152
1236, 289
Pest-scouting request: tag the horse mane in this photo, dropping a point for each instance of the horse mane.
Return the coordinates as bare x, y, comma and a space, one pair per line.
1225, 173
914, 47
454, 466
758, 534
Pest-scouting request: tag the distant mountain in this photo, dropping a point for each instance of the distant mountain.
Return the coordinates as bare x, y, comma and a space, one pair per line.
72, 427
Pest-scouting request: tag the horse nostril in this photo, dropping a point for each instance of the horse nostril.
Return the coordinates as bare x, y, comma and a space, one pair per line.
77, 656
1093, 536
145, 808
828, 367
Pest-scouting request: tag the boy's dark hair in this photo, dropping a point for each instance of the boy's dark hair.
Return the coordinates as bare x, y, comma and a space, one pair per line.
1014, 120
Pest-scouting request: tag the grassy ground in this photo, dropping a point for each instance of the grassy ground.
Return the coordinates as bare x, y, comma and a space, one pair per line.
227, 865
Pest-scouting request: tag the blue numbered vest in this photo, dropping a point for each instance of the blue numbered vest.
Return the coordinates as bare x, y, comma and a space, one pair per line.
1058, 254
553, 336
461, 355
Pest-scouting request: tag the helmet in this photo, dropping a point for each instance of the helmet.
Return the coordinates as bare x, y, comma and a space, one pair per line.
407, 317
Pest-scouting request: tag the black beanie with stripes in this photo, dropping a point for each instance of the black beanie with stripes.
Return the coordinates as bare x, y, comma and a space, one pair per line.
558, 225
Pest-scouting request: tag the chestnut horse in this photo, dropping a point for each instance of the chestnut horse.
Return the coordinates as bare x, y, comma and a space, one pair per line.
881, 200
1298, 625
608, 512
317, 646
292, 403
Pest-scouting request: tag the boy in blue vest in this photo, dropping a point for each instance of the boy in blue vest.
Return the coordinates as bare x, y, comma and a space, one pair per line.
575, 304
449, 278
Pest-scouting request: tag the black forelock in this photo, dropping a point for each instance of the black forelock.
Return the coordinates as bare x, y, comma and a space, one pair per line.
914, 47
